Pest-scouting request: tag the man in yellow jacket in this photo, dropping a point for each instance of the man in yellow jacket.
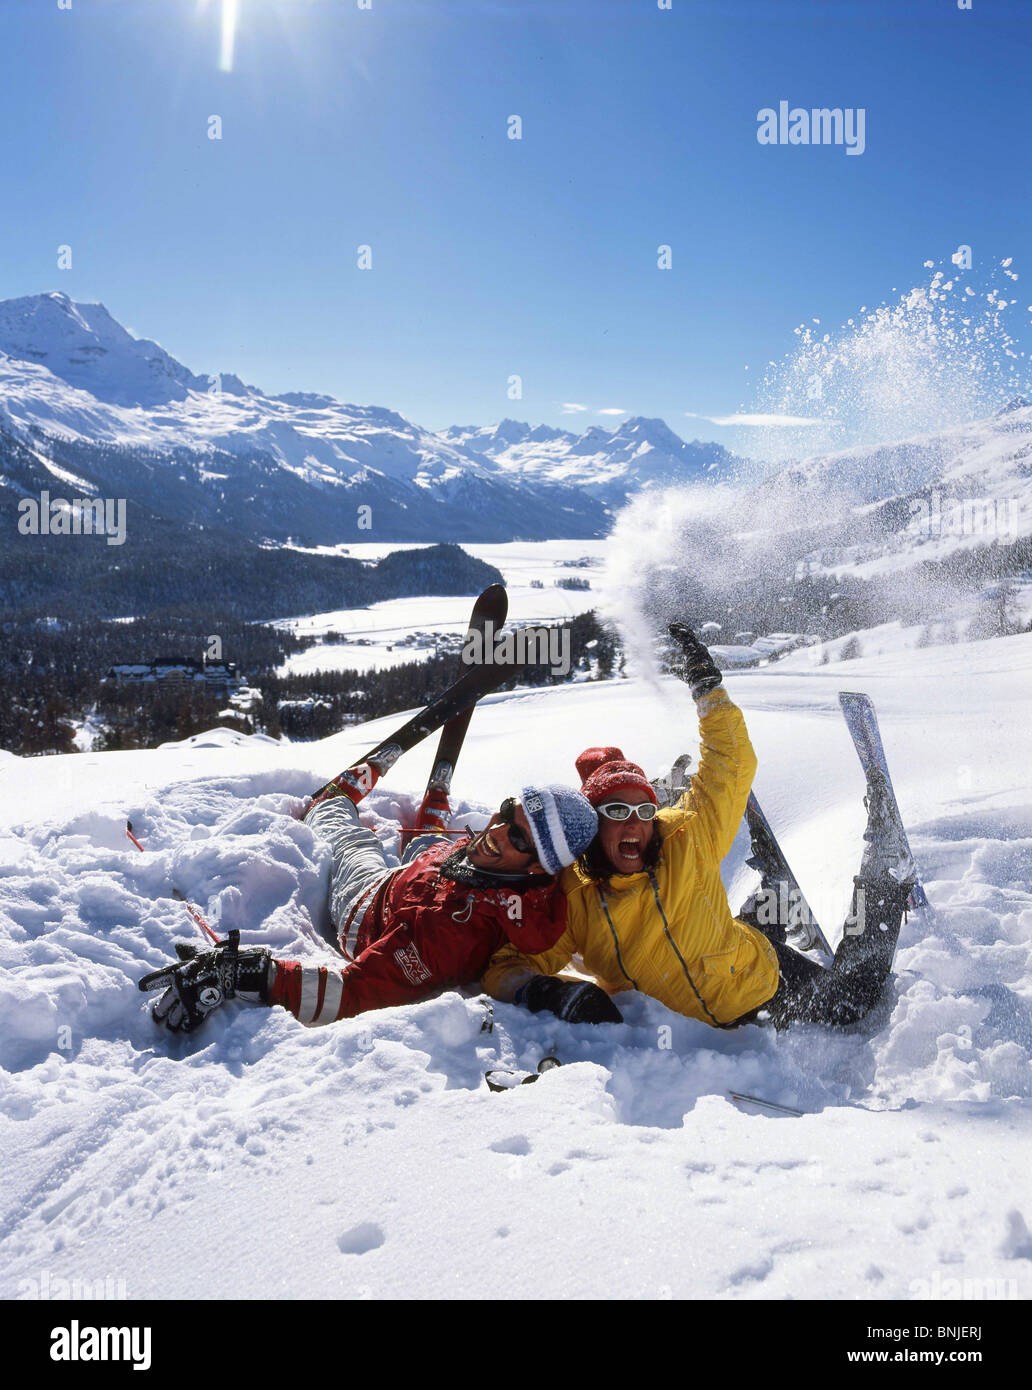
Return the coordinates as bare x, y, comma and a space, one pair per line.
646, 908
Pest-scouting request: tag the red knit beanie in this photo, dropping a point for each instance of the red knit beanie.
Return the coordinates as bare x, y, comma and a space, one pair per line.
605, 771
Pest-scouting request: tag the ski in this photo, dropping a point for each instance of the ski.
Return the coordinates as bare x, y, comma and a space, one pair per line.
862, 722
769, 858
462, 695
491, 607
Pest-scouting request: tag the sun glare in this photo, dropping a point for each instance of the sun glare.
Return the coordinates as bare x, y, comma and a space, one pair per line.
231, 13
230, 10
227, 39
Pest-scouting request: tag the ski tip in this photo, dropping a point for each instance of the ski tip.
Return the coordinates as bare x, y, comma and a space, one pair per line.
494, 596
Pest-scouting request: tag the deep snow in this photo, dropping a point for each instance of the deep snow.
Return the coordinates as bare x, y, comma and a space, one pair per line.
368, 1159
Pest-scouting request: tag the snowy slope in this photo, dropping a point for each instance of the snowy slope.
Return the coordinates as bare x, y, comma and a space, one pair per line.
919, 499
379, 1163
915, 520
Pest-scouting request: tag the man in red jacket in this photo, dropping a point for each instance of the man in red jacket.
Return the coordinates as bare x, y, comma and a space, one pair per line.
408, 931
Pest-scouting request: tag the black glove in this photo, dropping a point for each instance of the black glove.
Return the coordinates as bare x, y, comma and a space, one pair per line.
202, 980
699, 670
574, 1001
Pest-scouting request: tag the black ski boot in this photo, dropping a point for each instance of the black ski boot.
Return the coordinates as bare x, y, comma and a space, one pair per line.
880, 892
887, 853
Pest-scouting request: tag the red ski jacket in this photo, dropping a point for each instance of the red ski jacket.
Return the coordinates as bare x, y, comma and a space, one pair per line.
423, 932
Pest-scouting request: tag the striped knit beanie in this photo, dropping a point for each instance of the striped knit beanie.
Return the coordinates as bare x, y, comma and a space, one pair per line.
605, 772
562, 822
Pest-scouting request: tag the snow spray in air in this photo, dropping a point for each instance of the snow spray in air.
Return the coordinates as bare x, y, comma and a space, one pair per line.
942, 354
759, 550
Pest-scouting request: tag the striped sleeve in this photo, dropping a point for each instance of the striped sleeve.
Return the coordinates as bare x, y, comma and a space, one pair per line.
312, 993
391, 971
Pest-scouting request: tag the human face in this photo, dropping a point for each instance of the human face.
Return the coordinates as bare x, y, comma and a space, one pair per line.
493, 848
624, 842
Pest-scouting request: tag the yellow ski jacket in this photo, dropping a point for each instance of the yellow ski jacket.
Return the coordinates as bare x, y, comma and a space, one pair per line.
670, 933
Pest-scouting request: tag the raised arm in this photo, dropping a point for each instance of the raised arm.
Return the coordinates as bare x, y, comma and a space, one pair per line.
718, 792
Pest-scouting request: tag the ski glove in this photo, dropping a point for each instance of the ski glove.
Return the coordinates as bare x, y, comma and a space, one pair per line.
574, 1001
202, 980
699, 671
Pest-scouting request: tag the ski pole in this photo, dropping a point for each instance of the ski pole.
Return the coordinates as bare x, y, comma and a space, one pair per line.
767, 1104
427, 830
175, 891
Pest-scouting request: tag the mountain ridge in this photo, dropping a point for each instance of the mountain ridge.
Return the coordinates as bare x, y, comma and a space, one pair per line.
71, 372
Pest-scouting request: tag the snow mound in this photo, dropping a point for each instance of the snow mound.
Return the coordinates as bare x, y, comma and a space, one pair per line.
220, 738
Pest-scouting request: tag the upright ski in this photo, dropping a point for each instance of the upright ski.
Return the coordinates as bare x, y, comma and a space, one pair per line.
862, 722
363, 775
491, 607
769, 859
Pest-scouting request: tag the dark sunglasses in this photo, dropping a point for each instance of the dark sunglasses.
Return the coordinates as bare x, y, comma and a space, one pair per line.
517, 836
621, 810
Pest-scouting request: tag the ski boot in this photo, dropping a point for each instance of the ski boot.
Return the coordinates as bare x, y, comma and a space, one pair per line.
880, 893
886, 852
354, 783
432, 818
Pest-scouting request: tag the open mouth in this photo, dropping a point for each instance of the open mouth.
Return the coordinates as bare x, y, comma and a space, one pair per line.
485, 844
629, 849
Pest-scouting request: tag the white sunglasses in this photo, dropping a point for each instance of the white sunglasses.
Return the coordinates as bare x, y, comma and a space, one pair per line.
622, 810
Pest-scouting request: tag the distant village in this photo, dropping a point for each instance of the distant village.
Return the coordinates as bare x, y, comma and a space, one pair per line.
218, 679
746, 649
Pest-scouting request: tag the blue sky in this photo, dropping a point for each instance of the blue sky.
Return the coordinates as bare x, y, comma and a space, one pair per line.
494, 257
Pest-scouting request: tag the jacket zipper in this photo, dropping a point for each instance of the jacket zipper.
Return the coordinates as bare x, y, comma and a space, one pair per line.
677, 953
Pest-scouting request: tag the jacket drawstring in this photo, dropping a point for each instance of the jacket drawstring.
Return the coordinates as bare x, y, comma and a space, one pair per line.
463, 915
616, 939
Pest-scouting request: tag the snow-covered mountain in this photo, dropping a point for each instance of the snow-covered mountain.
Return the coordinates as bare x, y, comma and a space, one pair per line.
117, 415
92, 396
83, 346
934, 503
608, 464
75, 382
921, 499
